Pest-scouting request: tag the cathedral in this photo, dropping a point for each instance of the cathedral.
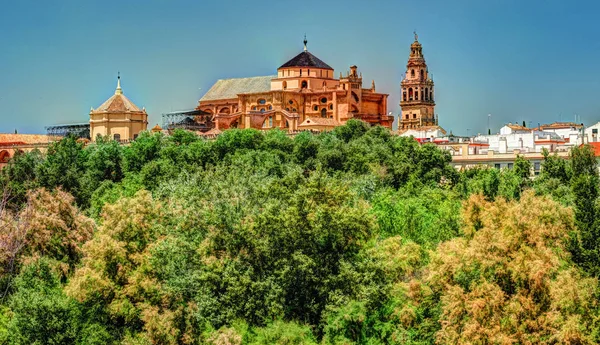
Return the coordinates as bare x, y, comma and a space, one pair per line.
304, 95
417, 97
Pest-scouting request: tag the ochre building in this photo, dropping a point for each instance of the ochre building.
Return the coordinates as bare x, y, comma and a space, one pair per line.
117, 118
303, 95
417, 96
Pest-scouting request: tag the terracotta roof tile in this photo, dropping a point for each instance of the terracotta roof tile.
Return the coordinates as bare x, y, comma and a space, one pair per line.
596, 147
516, 127
117, 103
557, 125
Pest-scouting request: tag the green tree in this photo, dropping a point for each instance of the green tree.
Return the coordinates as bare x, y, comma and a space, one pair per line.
556, 167
64, 166
585, 247
41, 312
104, 163
141, 151
19, 176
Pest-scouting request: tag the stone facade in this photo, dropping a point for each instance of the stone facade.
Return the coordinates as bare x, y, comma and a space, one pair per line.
117, 118
417, 96
304, 88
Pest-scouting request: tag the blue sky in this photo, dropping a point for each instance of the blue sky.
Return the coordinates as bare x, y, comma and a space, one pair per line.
521, 60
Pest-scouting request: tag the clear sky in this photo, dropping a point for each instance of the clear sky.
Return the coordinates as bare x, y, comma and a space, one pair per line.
518, 60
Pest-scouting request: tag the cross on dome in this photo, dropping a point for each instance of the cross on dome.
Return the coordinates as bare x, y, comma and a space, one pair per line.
118, 91
305, 41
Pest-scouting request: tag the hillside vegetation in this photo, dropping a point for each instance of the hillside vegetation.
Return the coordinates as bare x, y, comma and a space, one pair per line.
349, 237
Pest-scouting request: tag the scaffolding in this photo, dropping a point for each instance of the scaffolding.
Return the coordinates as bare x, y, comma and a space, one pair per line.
79, 130
191, 120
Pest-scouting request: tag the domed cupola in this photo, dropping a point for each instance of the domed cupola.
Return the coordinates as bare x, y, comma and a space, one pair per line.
306, 59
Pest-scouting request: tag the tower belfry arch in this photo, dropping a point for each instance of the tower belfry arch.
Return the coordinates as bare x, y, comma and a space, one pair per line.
416, 91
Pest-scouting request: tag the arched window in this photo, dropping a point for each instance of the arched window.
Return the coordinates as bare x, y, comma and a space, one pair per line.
308, 73
287, 124
412, 72
414, 116
284, 84
323, 112
404, 95
426, 94
117, 137
304, 83
316, 107
431, 95
410, 94
417, 95
262, 101
270, 107
4, 156
300, 71
324, 84
271, 121
422, 75
324, 100
331, 107
407, 116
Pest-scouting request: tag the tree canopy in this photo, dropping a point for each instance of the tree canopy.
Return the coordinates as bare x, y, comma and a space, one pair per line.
354, 236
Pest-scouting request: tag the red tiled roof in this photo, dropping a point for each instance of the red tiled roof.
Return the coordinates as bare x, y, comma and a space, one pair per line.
557, 125
6, 143
518, 127
117, 103
596, 147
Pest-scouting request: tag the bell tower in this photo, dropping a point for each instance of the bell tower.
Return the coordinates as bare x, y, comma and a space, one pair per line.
416, 99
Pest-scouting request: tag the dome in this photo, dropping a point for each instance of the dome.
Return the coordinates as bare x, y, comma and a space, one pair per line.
306, 59
117, 103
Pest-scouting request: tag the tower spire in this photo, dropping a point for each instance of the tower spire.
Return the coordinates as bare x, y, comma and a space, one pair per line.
305, 41
118, 91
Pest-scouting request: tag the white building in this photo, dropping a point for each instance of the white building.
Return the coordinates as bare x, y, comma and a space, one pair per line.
591, 133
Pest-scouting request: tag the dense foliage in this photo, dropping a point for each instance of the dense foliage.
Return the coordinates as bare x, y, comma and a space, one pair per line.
350, 237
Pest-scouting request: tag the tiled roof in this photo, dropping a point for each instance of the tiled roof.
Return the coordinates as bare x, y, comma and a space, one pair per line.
230, 88
213, 131
516, 127
117, 103
557, 125
596, 147
319, 121
306, 59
